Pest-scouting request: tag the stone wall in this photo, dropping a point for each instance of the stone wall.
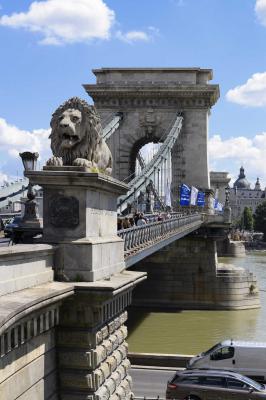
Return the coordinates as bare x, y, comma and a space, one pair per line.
28, 357
25, 266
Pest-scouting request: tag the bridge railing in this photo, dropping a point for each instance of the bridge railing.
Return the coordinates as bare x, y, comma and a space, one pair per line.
140, 236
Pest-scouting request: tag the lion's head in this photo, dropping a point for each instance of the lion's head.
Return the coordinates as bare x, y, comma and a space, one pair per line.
76, 130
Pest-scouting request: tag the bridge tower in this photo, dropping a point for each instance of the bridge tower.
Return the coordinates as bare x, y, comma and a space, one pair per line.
149, 99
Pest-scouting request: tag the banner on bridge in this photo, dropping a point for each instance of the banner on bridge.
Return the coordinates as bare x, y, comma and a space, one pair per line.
201, 199
185, 195
194, 196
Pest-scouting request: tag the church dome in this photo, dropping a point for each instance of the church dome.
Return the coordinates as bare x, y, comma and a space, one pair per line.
242, 182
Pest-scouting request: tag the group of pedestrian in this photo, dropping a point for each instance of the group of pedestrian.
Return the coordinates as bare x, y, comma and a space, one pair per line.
138, 219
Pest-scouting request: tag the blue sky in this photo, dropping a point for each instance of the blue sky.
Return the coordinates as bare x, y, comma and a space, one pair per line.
49, 48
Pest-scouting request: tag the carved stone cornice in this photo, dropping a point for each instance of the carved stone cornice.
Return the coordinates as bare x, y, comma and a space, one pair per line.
115, 94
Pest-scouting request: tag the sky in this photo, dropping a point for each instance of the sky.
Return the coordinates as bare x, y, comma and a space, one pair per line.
49, 47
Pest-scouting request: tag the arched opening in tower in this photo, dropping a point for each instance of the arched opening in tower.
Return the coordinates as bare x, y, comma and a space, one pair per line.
159, 182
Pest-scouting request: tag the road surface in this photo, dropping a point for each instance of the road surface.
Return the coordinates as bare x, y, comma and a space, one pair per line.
149, 381
4, 242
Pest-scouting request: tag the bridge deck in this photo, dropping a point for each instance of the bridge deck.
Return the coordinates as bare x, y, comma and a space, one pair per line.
142, 241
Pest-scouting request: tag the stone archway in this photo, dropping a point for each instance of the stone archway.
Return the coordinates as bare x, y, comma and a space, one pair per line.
137, 146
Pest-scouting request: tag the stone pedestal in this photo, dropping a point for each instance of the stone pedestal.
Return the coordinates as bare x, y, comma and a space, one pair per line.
80, 215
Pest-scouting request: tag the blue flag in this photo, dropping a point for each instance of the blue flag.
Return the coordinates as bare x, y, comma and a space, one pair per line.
201, 199
185, 195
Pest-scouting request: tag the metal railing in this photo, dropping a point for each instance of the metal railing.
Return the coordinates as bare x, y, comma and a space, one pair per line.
145, 235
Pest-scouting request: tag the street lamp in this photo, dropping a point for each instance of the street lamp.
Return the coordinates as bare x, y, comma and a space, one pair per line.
30, 217
227, 196
30, 223
29, 160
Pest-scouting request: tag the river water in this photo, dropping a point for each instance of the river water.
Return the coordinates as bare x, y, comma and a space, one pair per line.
190, 332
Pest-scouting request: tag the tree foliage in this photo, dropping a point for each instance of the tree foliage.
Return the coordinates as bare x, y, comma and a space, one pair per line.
260, 219
247, 219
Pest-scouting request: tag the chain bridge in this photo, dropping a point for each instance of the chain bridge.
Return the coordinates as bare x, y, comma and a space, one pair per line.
64, 301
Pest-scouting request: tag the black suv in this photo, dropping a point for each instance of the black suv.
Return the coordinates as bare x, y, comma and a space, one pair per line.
200, 384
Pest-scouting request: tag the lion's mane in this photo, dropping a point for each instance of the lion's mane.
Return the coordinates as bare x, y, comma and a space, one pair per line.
91, 132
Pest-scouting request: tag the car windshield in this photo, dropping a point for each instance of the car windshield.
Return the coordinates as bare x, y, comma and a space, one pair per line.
254, 384
205, 353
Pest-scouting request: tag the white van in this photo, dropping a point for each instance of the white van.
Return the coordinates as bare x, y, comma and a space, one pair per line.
247, 358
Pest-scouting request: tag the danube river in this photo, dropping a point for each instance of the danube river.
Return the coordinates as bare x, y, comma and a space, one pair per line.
190, 332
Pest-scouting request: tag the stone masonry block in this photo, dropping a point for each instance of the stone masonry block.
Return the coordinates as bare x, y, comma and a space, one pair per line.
80, 338
117, 377
121, 392
118, 355
130, 381
114, 397
111, 385
111, 327
105, 332
81, 359
125, 385
121, 334
111, 360
117, 323
108, 346
123, 317
105, 368
123, 349
102, 394
114, 340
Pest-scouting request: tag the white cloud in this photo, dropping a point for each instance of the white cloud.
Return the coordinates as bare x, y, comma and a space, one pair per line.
252, 93
229, 154
133, 36
64, 21
138, 36
260, 9
14, 140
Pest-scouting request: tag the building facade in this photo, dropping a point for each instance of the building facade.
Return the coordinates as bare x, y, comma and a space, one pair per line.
243, 195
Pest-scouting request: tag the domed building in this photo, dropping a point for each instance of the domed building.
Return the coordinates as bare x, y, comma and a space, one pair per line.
242, 182
241, 195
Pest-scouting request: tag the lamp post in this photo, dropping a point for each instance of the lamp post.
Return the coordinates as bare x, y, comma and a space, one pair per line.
30, 223
227, 208
227, 196
30, 218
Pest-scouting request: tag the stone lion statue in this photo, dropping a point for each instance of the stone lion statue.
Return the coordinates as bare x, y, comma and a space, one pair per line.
76, 137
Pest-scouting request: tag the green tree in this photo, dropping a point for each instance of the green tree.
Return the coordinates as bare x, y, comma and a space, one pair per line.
260, 219
247, 219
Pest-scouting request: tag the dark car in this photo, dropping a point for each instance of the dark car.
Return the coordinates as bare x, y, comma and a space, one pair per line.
11, 225
199, 384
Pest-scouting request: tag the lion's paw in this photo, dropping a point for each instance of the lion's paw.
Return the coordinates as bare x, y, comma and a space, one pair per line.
82, 162
108, 171
55, 161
